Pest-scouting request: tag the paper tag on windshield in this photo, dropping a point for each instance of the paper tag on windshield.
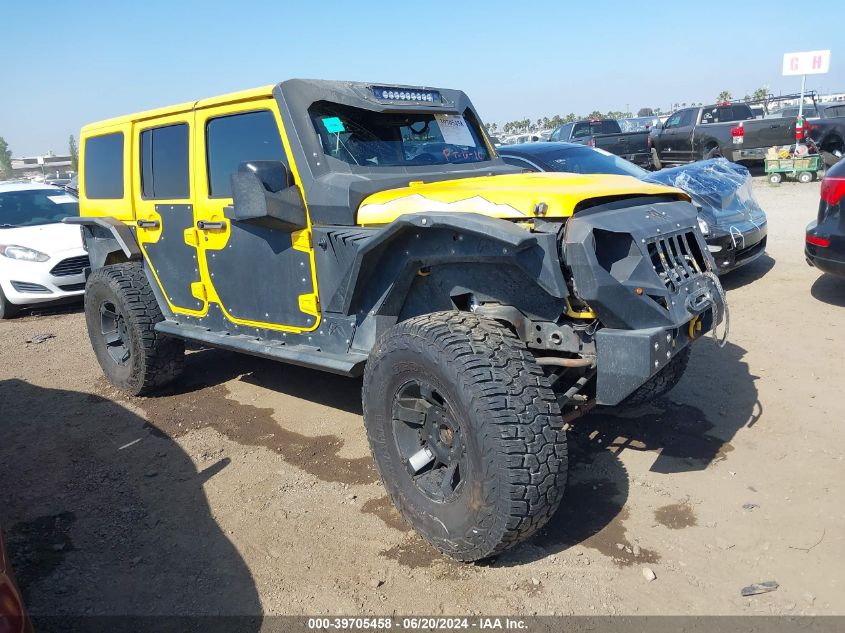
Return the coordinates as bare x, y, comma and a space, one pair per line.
455, 130
62, 199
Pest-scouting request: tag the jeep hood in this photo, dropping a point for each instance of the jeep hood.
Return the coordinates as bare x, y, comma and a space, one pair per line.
507, 196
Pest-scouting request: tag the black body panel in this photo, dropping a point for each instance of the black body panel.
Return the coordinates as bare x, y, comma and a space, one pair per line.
259, 275
173, 261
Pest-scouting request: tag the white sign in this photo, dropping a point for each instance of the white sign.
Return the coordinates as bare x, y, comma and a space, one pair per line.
806, 63
454, 130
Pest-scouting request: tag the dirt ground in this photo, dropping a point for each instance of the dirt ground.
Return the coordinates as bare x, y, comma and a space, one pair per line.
248, 487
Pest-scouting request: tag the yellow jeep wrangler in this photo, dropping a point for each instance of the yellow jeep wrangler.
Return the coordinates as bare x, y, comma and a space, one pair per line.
372, 230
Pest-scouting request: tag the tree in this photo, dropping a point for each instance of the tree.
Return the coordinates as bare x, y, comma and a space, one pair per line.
5, 159
74, 153
645, 112
725, 95
760, 94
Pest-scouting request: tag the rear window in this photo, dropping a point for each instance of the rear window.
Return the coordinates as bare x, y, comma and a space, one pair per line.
32, 207
164, 162
724, 114
104, 167
389, 139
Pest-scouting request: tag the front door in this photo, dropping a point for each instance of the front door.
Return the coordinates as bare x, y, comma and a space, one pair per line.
676, 137
260, 276
164, 210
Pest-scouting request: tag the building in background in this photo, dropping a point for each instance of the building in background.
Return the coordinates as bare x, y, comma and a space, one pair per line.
37, 167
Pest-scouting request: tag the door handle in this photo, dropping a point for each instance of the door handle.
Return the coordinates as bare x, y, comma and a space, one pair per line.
147, 224
205, 225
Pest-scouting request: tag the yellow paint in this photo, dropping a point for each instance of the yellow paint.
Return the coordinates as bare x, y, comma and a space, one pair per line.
510, 196
584, 314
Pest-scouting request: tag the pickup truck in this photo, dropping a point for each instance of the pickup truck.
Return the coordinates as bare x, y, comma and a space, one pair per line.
828, 131
606, 134
728, 130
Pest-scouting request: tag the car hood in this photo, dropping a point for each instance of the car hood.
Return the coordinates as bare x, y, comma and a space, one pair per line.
720, 189
47, 238
507, 196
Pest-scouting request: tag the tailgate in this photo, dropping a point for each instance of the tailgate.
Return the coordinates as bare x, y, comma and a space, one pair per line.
769, 132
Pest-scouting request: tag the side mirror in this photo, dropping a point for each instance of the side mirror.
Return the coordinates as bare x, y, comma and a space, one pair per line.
263, 193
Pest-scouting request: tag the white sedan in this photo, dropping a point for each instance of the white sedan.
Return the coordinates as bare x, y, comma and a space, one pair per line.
41, 259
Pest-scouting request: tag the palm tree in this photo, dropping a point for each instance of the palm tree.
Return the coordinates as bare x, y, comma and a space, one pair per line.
725, 95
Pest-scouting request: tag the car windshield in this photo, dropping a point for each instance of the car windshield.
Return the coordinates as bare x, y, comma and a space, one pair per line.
33, 207
384, 139
586, 160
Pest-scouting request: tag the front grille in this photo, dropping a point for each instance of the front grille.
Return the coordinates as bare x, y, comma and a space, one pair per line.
70, 266
25, 286
73, 287
676, 258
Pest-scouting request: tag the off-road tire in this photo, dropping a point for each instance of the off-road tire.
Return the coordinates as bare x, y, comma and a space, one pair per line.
7, 310
511, 428
662, 382
154, 359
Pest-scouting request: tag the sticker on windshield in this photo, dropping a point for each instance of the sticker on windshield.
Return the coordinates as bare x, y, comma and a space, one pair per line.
333, 124
454, 129
62, 199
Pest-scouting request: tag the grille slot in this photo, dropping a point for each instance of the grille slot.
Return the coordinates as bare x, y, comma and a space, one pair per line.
73, 287
676, 258
25, 286
70, 266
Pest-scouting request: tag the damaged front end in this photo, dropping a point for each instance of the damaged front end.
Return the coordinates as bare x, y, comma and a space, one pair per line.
647, 275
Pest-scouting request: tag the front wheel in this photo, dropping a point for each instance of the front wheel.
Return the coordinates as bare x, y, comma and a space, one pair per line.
121, 312
465, 432
7, 310
775, 178
805, 177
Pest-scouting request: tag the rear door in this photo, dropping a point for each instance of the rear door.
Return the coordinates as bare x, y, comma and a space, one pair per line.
164, 209
259, 275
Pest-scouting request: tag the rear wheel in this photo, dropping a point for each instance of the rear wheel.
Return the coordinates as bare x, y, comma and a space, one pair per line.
805, 177
121, 312
7, 310
465, 432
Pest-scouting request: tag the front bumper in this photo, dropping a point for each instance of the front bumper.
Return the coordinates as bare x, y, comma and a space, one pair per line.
646, 273
737, 247
626, 359
30, 283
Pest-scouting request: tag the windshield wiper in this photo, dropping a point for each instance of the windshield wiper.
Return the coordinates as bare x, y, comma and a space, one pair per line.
7, 226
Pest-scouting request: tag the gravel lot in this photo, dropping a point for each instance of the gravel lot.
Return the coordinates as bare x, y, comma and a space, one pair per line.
248, 487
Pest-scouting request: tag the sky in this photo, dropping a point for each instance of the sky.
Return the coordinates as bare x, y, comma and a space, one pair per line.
66, 63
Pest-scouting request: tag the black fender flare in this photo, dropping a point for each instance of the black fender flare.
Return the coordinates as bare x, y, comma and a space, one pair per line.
107, 240
370, 272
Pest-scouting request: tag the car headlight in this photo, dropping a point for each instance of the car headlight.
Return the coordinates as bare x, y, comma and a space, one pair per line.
702, 224
23, 253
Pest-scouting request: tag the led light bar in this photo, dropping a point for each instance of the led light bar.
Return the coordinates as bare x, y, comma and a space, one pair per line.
406, 95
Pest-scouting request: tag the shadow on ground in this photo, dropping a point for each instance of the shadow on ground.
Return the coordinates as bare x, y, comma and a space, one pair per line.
748, 273
829, 289
687, 431
105, 515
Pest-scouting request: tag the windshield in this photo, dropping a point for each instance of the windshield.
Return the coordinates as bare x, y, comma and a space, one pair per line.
383, 139
639, 124
33, 207
586, 160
